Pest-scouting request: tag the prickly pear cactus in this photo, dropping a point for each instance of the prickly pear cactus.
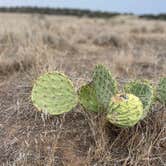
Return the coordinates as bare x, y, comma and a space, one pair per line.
161, 90
144, 91
87, 98
104, 85
125, 110
54, 94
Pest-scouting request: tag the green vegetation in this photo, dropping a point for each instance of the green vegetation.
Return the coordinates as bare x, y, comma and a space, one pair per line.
88, 99
161, 90
154, 17
59, 11
54, 93
144, 91
125, 110
104, 84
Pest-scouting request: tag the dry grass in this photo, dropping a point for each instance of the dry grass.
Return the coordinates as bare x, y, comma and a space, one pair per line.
33, 44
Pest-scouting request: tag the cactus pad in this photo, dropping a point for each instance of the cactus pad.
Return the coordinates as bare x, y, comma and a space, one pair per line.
161, 90
53, 93
87, 97
144, 91
125, 110
104, 85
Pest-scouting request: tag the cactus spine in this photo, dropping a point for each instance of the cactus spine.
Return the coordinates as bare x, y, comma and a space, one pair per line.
53, 93
104, 85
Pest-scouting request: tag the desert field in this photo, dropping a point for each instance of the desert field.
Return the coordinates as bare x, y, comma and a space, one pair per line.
132, 48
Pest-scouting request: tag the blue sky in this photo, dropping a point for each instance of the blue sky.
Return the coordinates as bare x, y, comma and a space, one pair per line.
134, 6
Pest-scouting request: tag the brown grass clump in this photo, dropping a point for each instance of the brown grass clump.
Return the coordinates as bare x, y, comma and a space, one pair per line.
112, 40
32, 45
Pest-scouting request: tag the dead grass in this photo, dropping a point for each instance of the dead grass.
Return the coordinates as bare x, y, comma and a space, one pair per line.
31, 45
111, 40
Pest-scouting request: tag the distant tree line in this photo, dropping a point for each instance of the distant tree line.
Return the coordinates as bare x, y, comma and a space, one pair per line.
59, 11
154, 17
74, 12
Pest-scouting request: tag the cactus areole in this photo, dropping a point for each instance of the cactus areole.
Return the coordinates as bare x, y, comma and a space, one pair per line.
53, 93
125, 110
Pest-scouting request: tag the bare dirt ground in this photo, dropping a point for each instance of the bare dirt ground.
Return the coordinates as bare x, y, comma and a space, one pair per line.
33, 44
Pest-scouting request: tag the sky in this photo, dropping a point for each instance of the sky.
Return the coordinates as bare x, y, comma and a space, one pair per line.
127, 6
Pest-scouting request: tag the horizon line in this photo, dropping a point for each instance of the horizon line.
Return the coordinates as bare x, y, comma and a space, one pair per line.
83, 9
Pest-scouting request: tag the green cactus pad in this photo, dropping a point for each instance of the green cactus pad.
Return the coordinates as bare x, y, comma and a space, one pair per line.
104, 84
144, 91
53, 93
87, 98
125, 110
161, 90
